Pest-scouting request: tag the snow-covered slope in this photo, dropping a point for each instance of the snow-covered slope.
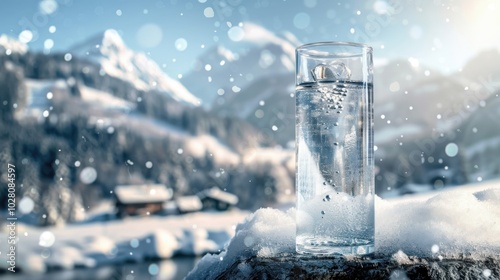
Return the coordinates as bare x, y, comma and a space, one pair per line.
397, 76
116, 59
443, 100
219, 72
480, 144
10, 45
483, 68
266, 103
120, 241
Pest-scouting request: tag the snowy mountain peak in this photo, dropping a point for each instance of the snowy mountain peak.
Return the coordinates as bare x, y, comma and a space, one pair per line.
112, 41
260, 53
225, 53
10, 45
111, 36
116, 59
263, 37
105, 43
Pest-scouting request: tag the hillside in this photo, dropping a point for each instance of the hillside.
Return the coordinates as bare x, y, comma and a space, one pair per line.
76, 131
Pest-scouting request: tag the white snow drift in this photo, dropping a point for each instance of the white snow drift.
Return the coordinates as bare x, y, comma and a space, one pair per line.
457, 222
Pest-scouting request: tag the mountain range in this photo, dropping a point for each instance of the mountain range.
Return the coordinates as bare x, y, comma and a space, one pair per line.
103, 106
418, 109
82, 122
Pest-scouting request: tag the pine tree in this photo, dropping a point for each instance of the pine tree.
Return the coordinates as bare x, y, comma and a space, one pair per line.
12, 91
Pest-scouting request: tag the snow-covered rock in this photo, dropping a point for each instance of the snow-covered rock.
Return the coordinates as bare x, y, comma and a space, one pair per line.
117, 60
450, 235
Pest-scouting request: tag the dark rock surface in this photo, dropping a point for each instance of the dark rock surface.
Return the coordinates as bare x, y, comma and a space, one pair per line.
377, 267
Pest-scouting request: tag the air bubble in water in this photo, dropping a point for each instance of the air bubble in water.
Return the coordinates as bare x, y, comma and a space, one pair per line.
328, 197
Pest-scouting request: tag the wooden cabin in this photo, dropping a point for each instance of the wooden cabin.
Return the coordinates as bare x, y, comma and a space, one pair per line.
141, 200
217, 199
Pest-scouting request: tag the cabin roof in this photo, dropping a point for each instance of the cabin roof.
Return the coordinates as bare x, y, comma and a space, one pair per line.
217, 194
188, 203
135, 194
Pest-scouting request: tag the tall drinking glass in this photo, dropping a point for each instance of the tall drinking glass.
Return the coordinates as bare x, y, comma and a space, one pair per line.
334, 140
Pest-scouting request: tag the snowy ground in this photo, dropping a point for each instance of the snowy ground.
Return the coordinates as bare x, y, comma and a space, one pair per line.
120, 241
452, 224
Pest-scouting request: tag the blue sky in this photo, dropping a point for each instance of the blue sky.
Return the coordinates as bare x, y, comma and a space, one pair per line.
440, 33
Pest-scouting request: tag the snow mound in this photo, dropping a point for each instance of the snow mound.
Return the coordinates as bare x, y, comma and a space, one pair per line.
449, 225
111, 53
259, 235
452, 224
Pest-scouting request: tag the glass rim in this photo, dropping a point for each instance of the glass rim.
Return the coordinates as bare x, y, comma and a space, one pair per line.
310, 49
